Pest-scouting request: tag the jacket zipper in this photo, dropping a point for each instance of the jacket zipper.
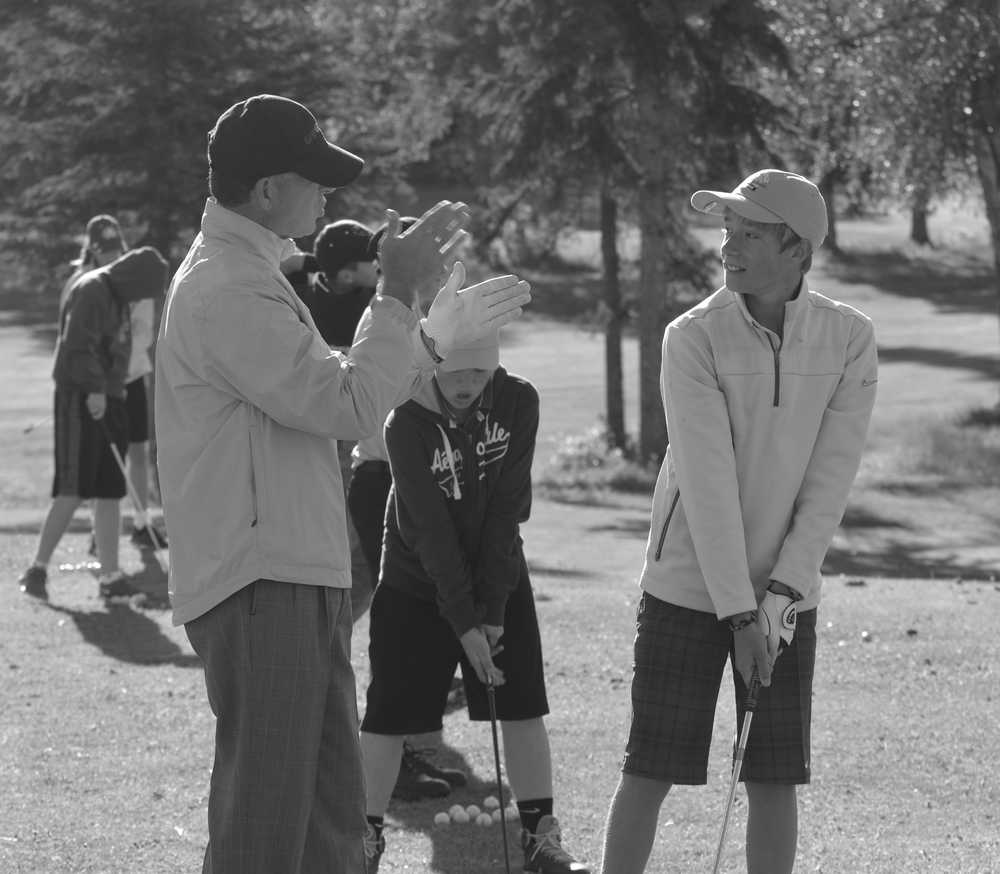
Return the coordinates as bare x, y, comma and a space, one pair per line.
776, 352
666, 524
253, 476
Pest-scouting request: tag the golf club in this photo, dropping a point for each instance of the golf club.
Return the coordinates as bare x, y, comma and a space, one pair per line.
134, 496
491, 697
29, 428
751, 706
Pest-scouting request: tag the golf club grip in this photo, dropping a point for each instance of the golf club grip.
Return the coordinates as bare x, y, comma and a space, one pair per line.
751, 701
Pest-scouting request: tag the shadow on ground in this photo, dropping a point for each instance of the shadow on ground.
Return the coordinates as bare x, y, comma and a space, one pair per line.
126, 630
988, 365
952, 280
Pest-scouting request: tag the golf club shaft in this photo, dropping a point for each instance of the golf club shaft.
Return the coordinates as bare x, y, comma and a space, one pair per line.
741, 745
29, 428
491, 697
132, 493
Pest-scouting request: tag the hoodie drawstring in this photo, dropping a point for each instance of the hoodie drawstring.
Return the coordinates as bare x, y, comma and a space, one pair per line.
456, 490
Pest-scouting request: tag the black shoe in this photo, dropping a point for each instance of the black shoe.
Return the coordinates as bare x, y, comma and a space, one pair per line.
374, 848
143, 538
117, 586
544, 853
412, 784
33, 582
420, 761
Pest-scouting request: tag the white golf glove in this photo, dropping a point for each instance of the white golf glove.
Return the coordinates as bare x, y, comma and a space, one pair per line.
457, 317
776, 620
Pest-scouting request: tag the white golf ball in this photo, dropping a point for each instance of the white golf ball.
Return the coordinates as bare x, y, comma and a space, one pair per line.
473, 811
512, 811
442, 818
484, 819
455, 808
490, 802
495, 816
460, 816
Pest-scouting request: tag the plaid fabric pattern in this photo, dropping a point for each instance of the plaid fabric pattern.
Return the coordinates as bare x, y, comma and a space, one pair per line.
680, 655
287, 790
84, 465
413, 654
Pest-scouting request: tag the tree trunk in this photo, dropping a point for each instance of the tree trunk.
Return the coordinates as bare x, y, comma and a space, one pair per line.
918, 217
986, 145
828, 188
654, 195
614, 383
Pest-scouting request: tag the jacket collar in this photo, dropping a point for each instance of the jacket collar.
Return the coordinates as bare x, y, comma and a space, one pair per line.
217, 221
793, 308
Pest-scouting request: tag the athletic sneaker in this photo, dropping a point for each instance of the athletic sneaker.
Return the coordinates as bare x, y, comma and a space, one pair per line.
33, 582
420, 761
142, 538
374, 848
544, 853
116, 586
414, 783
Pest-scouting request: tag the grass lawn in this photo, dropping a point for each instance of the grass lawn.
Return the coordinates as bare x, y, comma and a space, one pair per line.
106, 736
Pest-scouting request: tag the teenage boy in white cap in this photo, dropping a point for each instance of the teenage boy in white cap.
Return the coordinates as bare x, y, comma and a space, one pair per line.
454, 589
250, 401
768, 388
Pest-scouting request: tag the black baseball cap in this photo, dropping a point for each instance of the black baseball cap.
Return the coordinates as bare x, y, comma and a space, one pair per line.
266, 135
341, 243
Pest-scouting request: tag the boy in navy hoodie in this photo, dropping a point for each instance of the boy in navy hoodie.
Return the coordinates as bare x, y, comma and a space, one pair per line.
454, 589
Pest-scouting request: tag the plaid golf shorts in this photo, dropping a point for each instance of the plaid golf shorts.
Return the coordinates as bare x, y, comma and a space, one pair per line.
85, 467
680, 655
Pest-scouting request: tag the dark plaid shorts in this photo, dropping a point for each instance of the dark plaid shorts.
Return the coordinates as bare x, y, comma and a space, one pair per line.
137, 409
680, 655
84, 464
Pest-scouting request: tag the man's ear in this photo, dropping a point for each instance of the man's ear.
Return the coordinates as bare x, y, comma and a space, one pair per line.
263, 192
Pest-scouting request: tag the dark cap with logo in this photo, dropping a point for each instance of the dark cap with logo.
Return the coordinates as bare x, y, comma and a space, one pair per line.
266, 135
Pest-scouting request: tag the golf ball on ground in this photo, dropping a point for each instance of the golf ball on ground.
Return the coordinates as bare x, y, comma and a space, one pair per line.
490, 802
442, 818
484, 819
460, 816
473, 811
455, 808
495, 816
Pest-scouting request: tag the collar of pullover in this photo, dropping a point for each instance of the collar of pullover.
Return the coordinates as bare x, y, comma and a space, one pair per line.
217, 221
793, 308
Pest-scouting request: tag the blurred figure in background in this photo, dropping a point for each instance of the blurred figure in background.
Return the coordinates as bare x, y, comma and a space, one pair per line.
91, 364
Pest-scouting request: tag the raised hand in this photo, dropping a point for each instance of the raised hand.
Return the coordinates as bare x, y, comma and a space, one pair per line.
416, 260
456, 318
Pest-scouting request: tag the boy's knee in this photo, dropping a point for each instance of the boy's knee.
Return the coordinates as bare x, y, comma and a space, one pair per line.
644, 790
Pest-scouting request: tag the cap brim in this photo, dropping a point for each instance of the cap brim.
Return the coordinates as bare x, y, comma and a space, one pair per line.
471, 359
329, 165
716, 203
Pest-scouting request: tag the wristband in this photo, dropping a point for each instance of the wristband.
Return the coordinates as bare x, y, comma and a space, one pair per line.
748, 619
781, 589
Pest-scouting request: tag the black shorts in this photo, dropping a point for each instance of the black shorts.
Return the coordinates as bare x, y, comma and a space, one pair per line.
680, 655
84, 464
413, 654
137, 407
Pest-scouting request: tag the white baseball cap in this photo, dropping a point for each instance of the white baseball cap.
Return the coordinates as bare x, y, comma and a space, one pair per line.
772, 196
481, 354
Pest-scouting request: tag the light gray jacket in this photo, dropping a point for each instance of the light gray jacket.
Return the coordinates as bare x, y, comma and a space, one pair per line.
766, 436
249, 403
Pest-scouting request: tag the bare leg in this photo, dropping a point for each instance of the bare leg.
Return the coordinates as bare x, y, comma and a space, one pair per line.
631, 828
56, 522
380, 757
772, 828
138, 472
107, 526
528, 757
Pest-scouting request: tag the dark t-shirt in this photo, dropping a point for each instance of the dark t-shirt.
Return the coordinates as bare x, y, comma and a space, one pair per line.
336, 314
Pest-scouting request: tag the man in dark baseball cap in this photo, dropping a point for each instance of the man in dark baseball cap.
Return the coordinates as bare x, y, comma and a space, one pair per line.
251, 403
266, 135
